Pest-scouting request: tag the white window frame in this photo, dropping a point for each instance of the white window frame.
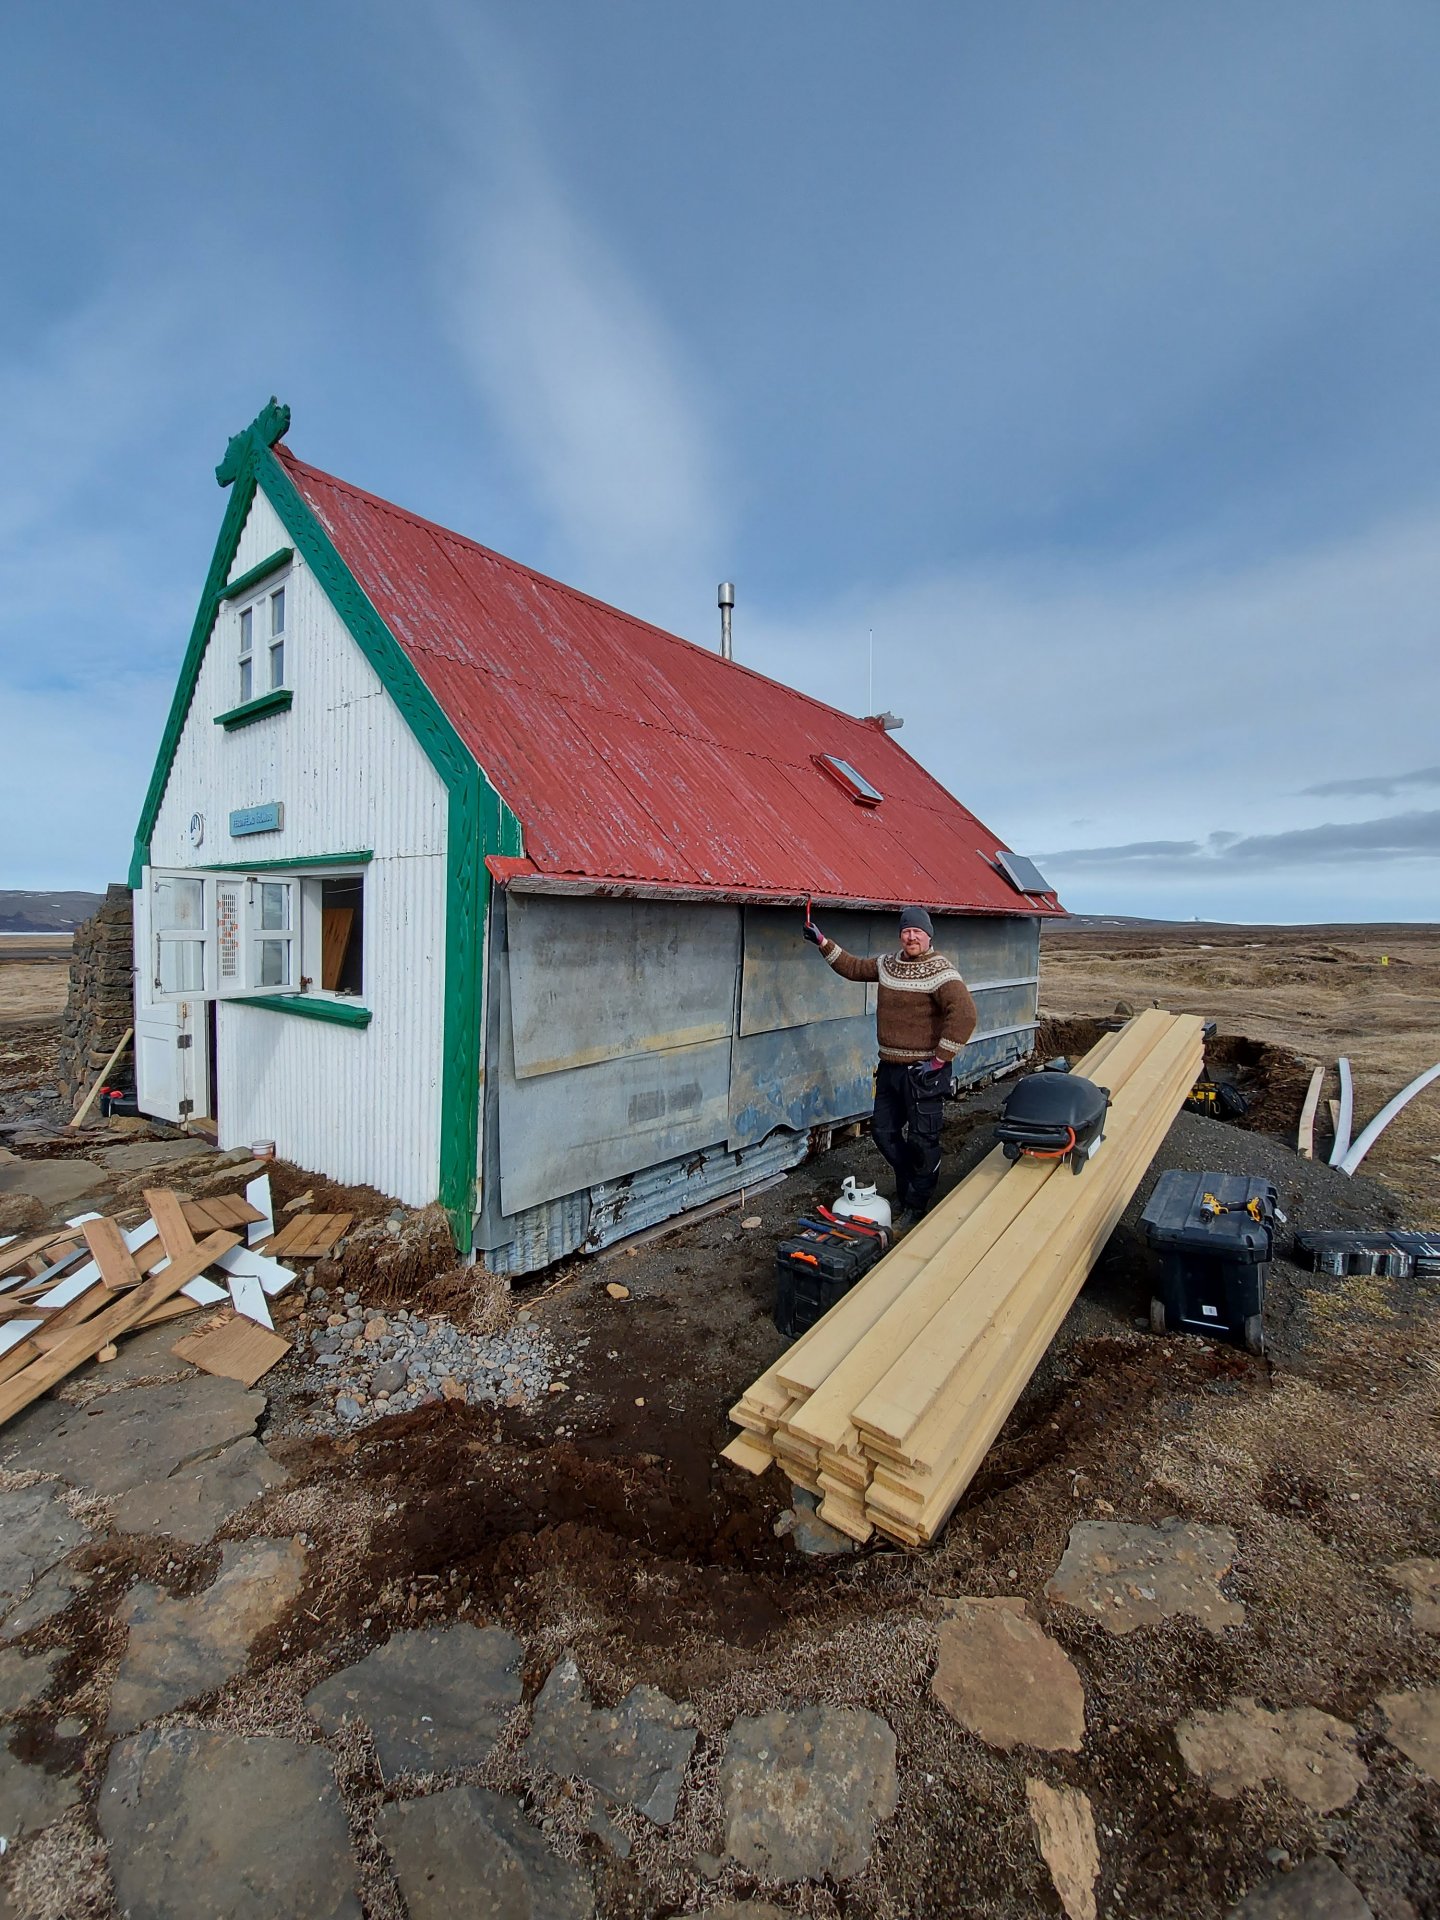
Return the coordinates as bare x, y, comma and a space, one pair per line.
258, 640
240, 928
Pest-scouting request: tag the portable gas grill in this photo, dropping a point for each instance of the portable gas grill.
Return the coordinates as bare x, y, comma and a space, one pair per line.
1053, 1116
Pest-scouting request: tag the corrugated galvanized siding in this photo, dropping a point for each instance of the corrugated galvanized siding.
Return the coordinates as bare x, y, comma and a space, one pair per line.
359, 1104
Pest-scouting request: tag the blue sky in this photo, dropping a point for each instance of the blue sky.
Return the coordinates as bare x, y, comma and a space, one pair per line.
1085, 356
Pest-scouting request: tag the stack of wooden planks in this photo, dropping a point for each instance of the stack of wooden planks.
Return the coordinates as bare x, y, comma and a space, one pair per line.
889, 1404
66, 1296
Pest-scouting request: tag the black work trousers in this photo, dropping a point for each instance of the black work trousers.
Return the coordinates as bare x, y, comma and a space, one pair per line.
909, 1107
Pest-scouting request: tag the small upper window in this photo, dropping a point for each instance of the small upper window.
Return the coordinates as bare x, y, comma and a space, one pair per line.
262, 644
855, 784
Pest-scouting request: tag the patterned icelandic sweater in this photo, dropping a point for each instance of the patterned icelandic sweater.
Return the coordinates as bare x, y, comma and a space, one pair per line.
924, 1009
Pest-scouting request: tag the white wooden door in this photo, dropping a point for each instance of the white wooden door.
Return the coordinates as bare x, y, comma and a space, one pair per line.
158, 1061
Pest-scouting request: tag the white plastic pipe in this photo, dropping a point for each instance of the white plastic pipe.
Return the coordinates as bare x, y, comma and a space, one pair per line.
1347, 1115
1383, 1118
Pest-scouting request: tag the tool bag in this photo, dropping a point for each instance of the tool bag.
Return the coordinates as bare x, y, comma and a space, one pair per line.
1053, 1116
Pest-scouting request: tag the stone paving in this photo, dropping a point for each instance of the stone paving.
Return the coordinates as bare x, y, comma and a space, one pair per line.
805, 1790
1001, 1676
1318, 1890
432, 1700
179, 1649
1128, 1576
635, 1754
1309, 1753
134, 1438
465, 1851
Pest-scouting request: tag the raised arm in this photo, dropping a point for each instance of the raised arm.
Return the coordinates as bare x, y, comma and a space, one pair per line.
852, 966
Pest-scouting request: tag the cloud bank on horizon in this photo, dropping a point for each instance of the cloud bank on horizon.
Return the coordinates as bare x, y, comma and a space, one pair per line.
1084, 363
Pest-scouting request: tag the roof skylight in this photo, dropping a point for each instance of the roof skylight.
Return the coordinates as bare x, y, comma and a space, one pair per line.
855, 784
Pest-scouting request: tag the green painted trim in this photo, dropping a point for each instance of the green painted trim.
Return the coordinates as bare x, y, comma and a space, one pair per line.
296, 861
280, 558
479, 822
335, 1011
276, 701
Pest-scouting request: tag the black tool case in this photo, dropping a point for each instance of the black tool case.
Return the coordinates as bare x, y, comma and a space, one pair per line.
814, 1269
1214, 1265
1394, 1255
1055, 1116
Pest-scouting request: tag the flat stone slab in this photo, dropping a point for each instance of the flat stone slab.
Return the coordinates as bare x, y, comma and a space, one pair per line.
125, 1440
196, 1501
805, 1790
1318, 1890
1413, 1725
180, 1648
466, 1851
145, 1355
1002, 1677
432, 1700
250, 1827
1065, 1827
36, 1532
53, 1183
1420, 1579
24, 1677
1308, 1753
137, 1156
30, 1798
1128, 1576
635, 1753
50, 1595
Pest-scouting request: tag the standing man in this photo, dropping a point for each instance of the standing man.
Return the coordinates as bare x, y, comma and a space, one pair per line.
923, 1018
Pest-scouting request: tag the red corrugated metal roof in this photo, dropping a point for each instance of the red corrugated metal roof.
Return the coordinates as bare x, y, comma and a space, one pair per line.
632, 757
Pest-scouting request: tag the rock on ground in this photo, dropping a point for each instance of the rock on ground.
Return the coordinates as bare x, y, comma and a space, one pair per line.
1421, 1580
1065, 1828
1001, 1676
30, 1798
432, 1700
50, 1595
250, 1827
635, 1753
25, 1676
36, 1531
805, 1790
466, 1851
130, 1439
1316, 1891
1308, 1753
180, 1648
196, 1501
1413, 1725
53, 1183
1126, 1575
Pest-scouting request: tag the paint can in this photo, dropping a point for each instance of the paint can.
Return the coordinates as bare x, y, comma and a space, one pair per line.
262, 1149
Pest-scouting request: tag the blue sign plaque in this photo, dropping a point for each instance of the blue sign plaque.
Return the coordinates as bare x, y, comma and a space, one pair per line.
268, 818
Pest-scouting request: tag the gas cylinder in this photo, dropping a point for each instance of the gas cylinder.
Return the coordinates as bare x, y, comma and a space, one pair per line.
861, 1203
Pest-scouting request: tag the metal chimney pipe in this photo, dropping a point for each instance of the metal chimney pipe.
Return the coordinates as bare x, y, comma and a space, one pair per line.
726, 602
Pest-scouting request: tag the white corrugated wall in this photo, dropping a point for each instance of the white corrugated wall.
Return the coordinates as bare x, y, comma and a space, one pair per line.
358, 1104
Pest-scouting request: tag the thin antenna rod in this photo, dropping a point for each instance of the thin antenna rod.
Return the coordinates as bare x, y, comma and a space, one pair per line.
870, 698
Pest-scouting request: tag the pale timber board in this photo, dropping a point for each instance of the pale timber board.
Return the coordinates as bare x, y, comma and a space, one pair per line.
1040, 1238
826, 1417
1305, 1138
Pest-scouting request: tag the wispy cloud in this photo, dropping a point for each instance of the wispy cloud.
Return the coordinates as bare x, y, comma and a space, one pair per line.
1376, 786
595, 399
1401, 836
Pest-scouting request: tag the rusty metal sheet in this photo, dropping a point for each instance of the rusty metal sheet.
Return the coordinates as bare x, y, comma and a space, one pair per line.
801, 1077
594, 980
629, 754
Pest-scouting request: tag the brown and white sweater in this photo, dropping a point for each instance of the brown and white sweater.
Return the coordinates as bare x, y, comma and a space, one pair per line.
924, 1010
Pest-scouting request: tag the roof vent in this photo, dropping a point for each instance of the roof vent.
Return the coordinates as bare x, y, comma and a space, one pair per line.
726, 598
845, 776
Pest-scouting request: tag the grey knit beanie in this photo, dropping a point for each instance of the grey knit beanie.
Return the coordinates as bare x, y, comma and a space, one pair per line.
916, 917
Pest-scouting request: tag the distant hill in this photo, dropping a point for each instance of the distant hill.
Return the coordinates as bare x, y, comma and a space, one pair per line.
1092, 921
45, 912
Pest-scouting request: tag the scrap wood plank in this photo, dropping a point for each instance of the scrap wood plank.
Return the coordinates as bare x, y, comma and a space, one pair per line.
168, 1213
235, 1349
826, 1417
308, 1236
113, 1257
1038, 1252
1305, 1138
19, 1251
747, 1452
86, 1341
220, 1210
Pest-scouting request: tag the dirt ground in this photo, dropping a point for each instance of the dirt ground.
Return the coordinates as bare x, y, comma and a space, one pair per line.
605, 1524
34, 975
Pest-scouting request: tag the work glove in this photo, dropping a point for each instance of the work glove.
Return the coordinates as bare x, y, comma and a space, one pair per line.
813, 934
929, 1075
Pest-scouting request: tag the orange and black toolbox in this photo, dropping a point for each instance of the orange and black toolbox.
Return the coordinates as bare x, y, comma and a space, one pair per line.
817, 1266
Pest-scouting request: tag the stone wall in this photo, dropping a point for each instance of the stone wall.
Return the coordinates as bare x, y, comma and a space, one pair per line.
101, 1004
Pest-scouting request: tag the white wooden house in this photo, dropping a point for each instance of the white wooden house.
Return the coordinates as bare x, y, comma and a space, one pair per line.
453, 881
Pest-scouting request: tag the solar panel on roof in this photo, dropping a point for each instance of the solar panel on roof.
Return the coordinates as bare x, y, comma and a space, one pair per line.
1022, 874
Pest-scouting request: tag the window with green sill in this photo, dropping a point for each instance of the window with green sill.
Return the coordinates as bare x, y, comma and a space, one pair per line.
261, 628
